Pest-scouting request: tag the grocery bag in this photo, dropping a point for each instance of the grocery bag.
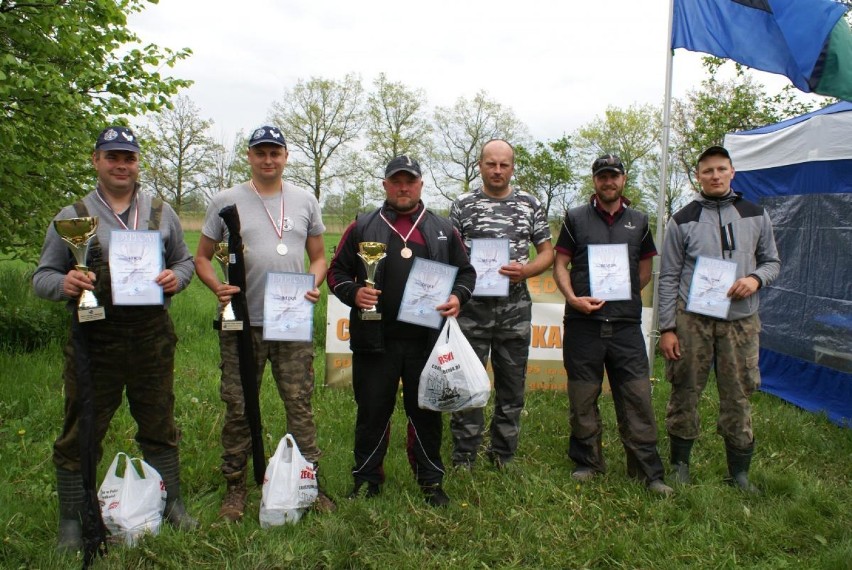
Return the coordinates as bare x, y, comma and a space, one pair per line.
132, 504
454, 378
289, 486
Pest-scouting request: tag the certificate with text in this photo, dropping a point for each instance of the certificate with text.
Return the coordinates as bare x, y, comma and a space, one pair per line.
487, 256
609, 272
135, 260
287, 314
429, 285
711, 281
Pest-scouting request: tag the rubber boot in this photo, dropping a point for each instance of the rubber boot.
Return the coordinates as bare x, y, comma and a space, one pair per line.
739, 461
167, 464
680, 448
69, 488
234, 501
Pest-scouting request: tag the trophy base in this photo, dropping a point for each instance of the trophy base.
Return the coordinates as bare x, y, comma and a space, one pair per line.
370, 316
228, 325
91, 314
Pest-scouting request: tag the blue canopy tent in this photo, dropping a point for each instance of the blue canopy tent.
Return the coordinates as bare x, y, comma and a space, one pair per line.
800, 170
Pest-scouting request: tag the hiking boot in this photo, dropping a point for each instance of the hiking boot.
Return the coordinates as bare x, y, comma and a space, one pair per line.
658, 487
583, 474
435, 495
373, 490
234, 502
323, 504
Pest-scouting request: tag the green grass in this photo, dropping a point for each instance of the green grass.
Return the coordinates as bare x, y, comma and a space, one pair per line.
532, 516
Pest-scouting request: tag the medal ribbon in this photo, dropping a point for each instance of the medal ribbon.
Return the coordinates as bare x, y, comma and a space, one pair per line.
117, 217
397, 232
279, 229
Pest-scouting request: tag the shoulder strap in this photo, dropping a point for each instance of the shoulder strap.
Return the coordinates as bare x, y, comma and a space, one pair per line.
81, 209
156, 214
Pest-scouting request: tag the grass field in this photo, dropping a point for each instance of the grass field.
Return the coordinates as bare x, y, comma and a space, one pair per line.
531, 516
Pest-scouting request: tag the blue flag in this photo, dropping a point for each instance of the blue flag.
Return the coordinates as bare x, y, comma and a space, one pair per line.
788, 37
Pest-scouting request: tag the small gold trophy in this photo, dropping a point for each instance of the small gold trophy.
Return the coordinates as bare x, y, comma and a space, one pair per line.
227, 319
371, 253
78, 233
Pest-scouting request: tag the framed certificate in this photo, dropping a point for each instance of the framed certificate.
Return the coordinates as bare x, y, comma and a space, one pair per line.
609, 272
287, 314
711, 281
429, 285
135, 260
487, 256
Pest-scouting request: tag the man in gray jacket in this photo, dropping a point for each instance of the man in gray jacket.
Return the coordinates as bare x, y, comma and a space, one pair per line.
718, 225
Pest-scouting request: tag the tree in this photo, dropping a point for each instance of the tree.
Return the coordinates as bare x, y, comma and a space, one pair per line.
179, 155
460, 132
395, 122
319, 117
230, 166
634, 135
69, 68
546, 171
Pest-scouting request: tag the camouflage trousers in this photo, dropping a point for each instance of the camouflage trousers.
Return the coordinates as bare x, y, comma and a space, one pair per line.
292, 370
730, 346
133, 355
500, 327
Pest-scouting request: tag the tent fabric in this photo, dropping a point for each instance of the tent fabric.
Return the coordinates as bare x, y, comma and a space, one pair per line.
800, 170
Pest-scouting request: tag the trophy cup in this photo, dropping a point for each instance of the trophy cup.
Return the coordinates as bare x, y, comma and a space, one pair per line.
371, 253
227, 320
78, 233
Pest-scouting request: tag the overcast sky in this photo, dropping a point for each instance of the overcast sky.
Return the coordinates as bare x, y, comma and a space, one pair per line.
556, 63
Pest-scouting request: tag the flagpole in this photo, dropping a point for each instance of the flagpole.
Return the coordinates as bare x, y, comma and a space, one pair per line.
661, 198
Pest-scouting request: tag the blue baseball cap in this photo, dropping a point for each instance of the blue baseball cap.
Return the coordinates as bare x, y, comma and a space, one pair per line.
117, 138
267, 135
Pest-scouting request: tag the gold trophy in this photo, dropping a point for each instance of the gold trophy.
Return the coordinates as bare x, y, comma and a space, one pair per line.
371, 253
227, 319
78, 233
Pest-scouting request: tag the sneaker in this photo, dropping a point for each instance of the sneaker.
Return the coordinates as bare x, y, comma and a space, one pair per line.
373, 490
323, 504
234, 503
435, 495
657, 486
583, 474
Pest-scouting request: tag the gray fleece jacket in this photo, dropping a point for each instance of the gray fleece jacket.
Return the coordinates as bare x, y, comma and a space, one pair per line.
729, 228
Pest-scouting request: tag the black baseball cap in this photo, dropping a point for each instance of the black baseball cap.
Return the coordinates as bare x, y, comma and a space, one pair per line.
267, 135
403, 163
714, 150
607, 162
117, 138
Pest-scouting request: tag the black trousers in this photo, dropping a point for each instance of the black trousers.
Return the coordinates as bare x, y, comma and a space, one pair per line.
375, 380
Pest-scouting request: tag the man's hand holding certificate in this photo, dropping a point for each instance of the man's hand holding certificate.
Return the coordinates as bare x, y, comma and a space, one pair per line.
135, 261
711, 281
487, 256
288, 310
428, 287
609, 272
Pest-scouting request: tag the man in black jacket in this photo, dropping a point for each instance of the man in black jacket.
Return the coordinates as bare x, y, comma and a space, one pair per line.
387, 349
610, 249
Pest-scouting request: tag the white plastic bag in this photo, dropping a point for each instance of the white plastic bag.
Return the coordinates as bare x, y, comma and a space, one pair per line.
289, 485
454, 378
132, 505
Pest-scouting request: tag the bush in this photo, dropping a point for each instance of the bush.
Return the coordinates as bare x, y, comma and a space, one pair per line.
27, 322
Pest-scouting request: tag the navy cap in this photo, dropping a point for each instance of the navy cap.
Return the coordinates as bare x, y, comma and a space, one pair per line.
607, 162
117, 138
403, 163
267, 135
715, 150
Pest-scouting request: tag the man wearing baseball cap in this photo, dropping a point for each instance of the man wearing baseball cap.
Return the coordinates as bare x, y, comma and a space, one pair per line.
279, 223
717, 227
131, 348
385, 350
610, 249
